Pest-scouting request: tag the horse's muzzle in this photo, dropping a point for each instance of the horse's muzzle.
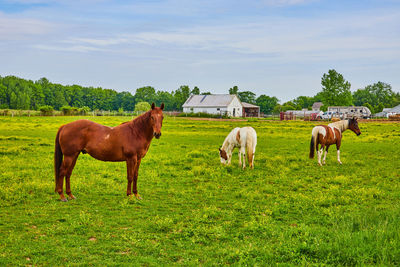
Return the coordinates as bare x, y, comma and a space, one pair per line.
358, 134
157, 135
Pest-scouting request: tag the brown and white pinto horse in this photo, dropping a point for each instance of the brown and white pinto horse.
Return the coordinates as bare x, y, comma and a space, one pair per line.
330, 134
128, 142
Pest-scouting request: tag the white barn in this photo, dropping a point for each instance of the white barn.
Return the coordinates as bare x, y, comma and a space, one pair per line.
214, 104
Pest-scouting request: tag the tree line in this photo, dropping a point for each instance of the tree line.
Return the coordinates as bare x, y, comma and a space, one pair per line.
19, 93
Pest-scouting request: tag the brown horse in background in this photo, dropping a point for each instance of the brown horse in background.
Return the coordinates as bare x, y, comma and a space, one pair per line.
128, 142
326, 135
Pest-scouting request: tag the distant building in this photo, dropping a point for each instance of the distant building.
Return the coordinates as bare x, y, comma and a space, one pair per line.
229, 105
350, 111
317, 106
250, 110
386, 112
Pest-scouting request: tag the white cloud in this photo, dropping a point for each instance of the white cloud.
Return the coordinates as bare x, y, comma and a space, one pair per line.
12, 28
74, 48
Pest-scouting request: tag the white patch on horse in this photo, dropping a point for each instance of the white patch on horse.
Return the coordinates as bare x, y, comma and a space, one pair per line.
107, 136
333, 130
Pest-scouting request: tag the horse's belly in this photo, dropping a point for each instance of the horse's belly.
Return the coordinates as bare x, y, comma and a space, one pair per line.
105, 155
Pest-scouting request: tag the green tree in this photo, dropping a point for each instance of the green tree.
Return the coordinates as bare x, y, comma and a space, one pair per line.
375, 94
303, 102
266, 103
234, 90
181, 95
288, 106
145, 94
247, 96
142, 107
369, 106
195, 91
3, 97
166, 98
335, 90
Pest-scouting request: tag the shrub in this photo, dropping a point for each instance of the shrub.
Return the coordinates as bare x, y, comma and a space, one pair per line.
84, 110
66, 110
46, 110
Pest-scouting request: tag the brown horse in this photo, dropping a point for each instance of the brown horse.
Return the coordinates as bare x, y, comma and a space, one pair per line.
126, 142
330, 134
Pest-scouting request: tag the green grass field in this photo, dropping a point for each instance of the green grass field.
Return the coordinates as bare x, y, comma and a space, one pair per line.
195, 211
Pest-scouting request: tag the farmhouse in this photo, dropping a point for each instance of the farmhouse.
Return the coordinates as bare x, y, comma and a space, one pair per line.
229, 105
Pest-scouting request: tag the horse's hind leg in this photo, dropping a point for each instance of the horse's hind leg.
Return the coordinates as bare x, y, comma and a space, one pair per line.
326, 152
320, 152
68, 176
243, 152
63, 173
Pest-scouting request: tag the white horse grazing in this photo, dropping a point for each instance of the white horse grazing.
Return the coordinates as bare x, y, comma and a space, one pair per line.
245, 139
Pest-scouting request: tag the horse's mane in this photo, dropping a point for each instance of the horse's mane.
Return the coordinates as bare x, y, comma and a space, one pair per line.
227, 144
340, 125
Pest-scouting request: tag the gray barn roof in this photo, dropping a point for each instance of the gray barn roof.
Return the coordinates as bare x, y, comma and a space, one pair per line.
209, 101
395, 109
248, 105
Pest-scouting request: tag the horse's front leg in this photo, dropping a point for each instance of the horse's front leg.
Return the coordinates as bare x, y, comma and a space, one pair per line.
135, 178
130, 169
240, 158
338, 151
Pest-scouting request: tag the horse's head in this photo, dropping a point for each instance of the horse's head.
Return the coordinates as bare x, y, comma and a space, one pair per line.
156, 118
223, 155
353, 125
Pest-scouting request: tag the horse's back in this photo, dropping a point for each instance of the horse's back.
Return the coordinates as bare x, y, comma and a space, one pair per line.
75, 136
249, 132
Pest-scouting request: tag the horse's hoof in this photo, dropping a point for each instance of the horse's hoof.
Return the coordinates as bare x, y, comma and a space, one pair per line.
64, 200
138, 197
72, 196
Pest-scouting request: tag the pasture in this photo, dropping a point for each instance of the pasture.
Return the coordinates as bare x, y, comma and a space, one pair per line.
195, 211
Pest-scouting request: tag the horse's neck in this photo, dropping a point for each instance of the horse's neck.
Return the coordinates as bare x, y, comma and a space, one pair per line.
229, 143
141, 126
340, 125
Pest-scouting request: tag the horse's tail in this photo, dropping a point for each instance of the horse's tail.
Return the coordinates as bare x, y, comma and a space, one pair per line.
313, 142
58, 157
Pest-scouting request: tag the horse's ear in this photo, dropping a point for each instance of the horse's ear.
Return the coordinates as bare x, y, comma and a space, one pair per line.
162, 106
153, 105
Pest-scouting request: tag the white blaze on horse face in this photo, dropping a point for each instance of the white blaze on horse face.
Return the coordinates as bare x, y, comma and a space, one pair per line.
223, 161
107, 136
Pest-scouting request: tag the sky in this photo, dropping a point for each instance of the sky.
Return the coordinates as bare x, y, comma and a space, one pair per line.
278, 48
